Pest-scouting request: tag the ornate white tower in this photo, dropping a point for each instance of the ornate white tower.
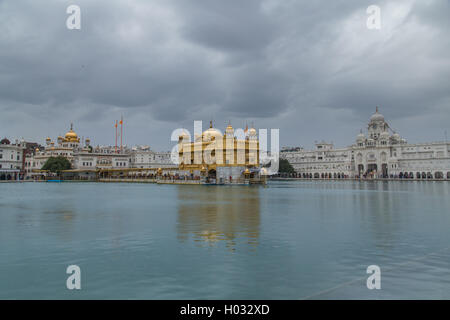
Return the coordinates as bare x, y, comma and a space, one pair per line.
377, 126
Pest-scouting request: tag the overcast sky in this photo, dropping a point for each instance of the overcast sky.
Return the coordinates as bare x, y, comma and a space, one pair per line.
310, 68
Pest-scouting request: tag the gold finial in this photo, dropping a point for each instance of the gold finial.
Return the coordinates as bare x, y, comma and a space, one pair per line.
210, 123
376, 109
71, 126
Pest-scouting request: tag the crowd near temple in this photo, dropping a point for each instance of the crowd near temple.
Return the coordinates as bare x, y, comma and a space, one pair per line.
380, 153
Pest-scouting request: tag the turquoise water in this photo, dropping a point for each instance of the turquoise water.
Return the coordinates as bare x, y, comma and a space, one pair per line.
288, 240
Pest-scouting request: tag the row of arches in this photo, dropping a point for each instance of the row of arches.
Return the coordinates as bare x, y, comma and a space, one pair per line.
9, 176
315, 175
424, 175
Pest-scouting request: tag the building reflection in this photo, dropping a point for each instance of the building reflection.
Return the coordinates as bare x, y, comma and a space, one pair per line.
210, 215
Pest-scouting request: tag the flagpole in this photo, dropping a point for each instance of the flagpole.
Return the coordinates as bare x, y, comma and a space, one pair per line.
121, 132
115, 148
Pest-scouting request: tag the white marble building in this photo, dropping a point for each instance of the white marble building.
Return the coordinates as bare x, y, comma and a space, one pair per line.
382, 153
144, 157
11, 159
87, 160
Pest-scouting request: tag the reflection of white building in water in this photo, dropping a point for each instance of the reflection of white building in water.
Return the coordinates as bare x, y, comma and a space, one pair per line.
380, 153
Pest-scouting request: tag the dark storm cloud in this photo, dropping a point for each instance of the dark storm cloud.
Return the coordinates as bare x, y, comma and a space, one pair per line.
295, 65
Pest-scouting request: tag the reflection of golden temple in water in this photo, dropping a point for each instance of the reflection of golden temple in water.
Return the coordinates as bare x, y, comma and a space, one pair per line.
217, 214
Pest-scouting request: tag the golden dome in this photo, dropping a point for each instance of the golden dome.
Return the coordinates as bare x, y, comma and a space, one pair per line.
211, 133
229, 129
71, 135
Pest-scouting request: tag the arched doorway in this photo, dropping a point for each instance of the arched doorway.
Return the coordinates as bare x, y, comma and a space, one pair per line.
384, 170
372, 168
438, 175
211, 176
360, 169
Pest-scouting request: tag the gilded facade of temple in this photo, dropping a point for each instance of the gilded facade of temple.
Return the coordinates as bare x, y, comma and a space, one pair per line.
221, 158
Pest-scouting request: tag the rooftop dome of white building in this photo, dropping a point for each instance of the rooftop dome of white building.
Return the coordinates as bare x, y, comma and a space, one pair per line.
396, 136
377, 116
384, 135
360, 136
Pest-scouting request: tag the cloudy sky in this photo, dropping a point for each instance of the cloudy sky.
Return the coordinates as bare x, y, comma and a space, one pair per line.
311, 68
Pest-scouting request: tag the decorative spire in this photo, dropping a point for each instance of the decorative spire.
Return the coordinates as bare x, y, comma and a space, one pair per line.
71, 126
376, 109
210, 124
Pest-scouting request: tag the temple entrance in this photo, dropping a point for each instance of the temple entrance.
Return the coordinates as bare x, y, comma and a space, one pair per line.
372, 168
384, 170
211, 178
360, 169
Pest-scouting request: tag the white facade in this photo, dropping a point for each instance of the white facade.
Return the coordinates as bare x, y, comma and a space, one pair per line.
11, 159
86, 159
144, 157
382, 153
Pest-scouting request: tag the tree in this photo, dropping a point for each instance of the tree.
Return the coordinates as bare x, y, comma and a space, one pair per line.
57, 164
285, 167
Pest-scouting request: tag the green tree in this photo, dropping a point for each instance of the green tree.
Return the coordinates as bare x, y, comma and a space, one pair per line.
57, 164
285, 167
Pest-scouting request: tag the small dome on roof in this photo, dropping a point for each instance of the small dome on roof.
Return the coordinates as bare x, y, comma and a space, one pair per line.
360, 136
211, 133
384, 135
